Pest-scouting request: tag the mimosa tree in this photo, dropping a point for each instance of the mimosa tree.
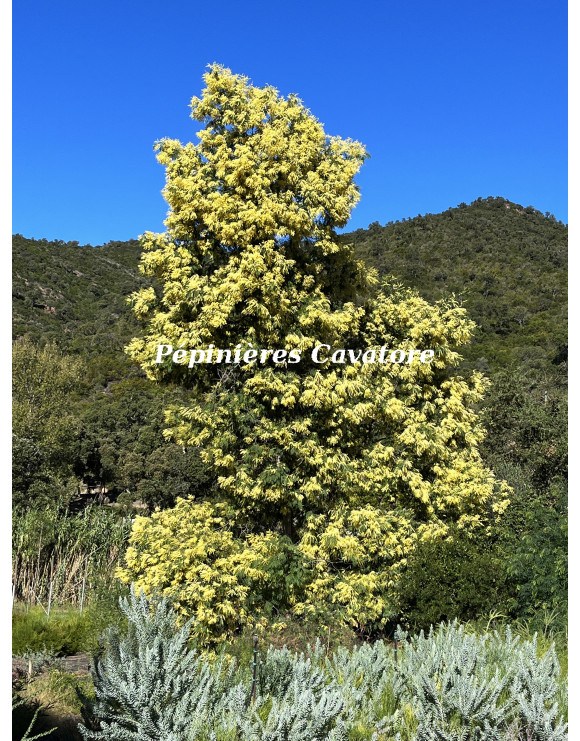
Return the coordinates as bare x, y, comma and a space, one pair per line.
328, 472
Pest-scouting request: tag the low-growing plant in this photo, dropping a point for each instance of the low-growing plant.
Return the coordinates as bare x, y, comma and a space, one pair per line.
448, 685
66, 631
37, 661
58, 689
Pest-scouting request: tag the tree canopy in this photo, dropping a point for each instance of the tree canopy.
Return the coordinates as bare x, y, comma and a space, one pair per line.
44, 439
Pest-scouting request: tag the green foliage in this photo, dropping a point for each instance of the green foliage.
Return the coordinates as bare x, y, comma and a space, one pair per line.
122, 446
44, 430
61, 689
52, 697
530, 433
67, 431
457, 577
537, 560
33, 632
506, 263
66, 632
295, 634
527, 444
74, 296
108, 434
53, 544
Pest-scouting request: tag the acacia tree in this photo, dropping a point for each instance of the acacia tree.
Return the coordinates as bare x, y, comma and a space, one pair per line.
328, 474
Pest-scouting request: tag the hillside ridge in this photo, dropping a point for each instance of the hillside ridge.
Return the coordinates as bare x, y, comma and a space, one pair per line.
505, 263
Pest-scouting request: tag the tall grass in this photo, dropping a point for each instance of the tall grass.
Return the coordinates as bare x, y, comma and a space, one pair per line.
66, 550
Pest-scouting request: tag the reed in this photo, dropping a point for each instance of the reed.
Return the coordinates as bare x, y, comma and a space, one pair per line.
65, 554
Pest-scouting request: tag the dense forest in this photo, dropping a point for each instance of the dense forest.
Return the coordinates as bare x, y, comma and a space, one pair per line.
88, 426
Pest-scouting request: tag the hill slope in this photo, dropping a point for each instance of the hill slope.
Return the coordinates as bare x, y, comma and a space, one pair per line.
75, 295
506, 264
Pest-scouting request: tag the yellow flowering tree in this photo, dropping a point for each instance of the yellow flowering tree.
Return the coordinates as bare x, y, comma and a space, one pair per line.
340, 466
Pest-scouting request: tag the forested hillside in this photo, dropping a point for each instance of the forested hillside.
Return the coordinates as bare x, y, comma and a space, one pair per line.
505, 264
98, 422
75, 295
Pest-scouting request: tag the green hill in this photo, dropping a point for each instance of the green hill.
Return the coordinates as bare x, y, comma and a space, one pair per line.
506, 265
75, 296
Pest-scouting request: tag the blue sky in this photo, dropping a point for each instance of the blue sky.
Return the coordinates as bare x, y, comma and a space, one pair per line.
453, 100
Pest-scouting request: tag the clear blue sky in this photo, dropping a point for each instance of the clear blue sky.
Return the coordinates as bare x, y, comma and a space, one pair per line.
453, 100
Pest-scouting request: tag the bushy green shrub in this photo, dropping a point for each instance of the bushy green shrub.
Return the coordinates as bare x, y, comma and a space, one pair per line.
66, 631
460, 576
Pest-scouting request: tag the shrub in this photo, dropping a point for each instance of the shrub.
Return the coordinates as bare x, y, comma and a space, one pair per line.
448, 578
65, 632
448, 685
149, 685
